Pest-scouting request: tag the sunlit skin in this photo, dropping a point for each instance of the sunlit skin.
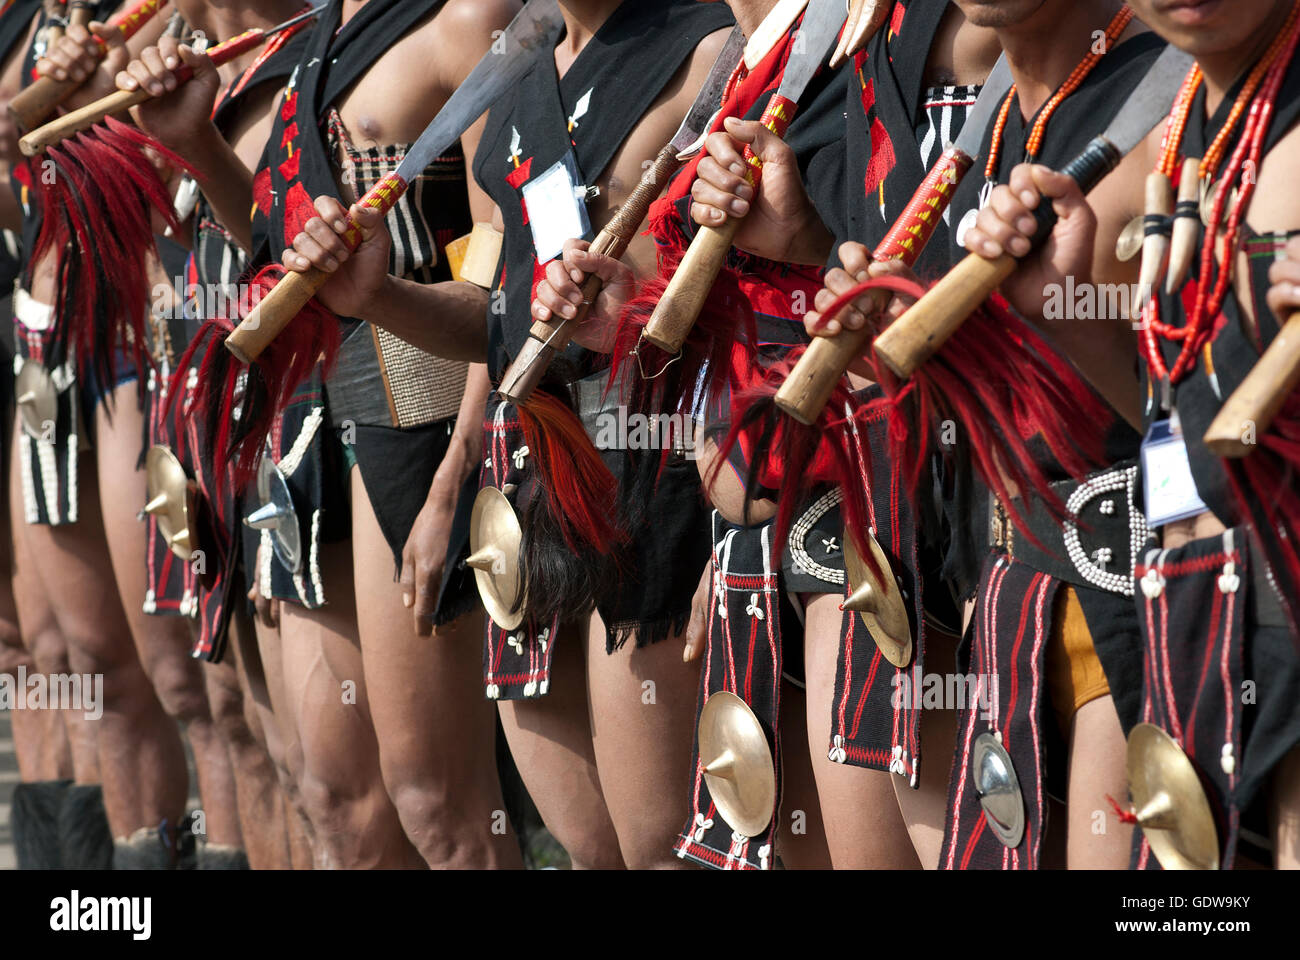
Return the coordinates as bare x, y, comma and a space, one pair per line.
149, 680
619, 816
1036, 36
180, 121
861, 819
392, 780
1226, 37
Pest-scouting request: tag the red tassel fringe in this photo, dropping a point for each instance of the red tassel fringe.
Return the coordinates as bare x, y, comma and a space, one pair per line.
99, 198
582, 490
996, 379
240, 405
1265, 486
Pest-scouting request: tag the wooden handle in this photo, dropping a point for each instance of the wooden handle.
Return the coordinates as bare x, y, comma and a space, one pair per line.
809, 385
256, 331
30, 108
545, 339
808, 388
39, 100
58, 130
43, 97
915, 336
680, 306
1249, 412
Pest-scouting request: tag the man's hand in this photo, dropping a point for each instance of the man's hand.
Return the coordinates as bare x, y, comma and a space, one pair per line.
179, 116
858, 267
425, 555
780, 223
77, 57
267, 608
1284, 275
1007, 225
356, 276
559, 294
696, 628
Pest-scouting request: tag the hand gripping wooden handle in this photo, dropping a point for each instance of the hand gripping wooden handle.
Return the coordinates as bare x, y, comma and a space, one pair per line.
275, 311
680, 306
294, 290
918, 334
75, 121
545, 339
56, 131
812, 381
44, 96
915, 337
1249, 411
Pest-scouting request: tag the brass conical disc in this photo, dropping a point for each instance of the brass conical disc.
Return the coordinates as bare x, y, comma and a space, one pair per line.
171, 499
733, 744
881, 604
1129, 244
1170, 802
38, 400
494, 538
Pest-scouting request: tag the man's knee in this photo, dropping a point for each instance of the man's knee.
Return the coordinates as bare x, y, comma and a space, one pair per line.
227, 707
179, 686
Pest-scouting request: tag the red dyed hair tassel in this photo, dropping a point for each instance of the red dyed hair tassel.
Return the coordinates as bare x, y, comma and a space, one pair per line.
582, 491
99, 197
238, 406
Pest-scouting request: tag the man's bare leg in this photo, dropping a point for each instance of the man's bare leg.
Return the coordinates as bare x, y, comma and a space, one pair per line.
864, 829
1284, 811
281, 731
1097, 768
643, 702
925, 809
801, 837
141, 761
40, 742
436, 731
262, 808
550, 740
354, 822
44, 650
163, 643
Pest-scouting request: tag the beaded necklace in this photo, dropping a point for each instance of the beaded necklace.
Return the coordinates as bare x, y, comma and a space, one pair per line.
1118, 24
1259, 94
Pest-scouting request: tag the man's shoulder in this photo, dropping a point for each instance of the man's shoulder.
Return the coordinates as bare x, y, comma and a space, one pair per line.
475, 19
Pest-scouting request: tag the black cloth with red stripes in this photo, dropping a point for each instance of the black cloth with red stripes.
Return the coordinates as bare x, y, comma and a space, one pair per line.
584, 118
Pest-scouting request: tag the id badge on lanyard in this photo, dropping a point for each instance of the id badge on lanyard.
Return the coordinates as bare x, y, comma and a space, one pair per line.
557, 210
1169, 487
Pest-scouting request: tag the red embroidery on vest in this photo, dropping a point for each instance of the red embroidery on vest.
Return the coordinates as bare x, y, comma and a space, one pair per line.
298, 209
262, 190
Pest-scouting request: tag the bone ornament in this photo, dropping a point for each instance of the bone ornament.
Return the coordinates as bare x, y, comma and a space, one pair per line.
1187, 228
1155, 241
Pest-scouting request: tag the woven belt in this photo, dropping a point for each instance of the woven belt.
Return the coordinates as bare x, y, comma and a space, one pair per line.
1103, 536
